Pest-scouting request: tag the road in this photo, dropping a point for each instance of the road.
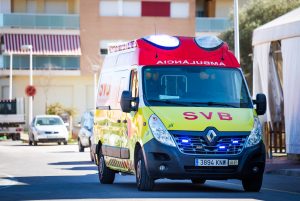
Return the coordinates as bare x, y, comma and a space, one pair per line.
52, 172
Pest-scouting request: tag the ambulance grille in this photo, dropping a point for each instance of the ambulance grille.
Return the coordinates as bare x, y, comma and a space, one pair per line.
198, 145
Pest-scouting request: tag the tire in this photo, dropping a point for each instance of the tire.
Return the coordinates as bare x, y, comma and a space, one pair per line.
30, 142
91, 155
252, 184
59, 143
18, 136
198, 181
80, 147
106, 175
35, 143
143, 180
65, 142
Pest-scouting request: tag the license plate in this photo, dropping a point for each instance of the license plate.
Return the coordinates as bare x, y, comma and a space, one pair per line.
211, 162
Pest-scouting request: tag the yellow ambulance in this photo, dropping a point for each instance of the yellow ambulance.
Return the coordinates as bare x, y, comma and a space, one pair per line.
177, 108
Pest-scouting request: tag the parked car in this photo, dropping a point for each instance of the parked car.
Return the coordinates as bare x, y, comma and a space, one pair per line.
48, 128
86, 131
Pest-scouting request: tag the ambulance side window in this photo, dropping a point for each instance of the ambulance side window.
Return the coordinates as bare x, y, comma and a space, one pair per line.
134, 84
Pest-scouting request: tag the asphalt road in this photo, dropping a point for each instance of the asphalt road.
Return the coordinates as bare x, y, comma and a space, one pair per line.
52, 172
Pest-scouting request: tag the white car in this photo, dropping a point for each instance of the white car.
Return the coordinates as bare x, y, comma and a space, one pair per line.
48, 128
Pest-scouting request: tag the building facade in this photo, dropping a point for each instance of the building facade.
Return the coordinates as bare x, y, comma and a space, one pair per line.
108, 21
69, 40
213, 16
52, 28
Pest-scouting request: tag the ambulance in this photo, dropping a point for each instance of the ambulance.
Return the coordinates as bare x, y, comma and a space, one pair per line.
177, 108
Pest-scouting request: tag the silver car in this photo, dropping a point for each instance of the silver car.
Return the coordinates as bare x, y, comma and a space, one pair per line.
48, 128
85, 133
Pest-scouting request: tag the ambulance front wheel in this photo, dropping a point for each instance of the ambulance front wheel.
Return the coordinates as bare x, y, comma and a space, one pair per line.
252, 184
106, 175
143, 180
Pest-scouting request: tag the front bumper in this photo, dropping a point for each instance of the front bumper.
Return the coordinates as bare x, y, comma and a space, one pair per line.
182, 166
51, 138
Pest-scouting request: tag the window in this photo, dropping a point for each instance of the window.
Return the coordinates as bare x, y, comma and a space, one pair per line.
134, 84
218, 87
132, 8
156, 8
180, 10
56, 6
31, 6
119, 8
109, 8
134, 87
47, 121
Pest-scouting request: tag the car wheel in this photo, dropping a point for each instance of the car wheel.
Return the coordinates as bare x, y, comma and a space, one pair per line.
106, 175
65, 142
35, 143
198, 181
143, 180
59, 143
29, 140
252, 184
80, 147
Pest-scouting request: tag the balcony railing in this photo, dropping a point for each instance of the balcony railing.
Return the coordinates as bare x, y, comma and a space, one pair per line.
21, 62
212, 24
40, 21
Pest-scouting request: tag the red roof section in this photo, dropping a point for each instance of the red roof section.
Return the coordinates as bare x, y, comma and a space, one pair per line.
187, 53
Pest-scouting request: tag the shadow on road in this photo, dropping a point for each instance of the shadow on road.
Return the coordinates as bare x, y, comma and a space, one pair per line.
72, 163
88, 187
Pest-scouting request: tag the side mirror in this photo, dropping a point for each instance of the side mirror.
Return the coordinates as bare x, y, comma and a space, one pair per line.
261, 104
125, 102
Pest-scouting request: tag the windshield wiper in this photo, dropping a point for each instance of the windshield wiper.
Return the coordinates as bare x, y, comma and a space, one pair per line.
211, 103
169, 102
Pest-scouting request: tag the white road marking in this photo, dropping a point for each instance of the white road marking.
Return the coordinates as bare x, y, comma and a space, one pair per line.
8, 181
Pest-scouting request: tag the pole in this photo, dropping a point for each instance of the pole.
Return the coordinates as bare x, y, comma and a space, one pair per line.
10, 75
236, 30
95, 90
95, 68
30, 83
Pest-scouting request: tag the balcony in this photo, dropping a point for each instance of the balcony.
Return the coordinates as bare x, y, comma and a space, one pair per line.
21, 62
212, 24
39, 21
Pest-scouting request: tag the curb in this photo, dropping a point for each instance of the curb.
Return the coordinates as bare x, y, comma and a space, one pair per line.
287, 172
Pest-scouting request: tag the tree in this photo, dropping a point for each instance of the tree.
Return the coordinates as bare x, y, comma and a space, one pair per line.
59, 109
254, 14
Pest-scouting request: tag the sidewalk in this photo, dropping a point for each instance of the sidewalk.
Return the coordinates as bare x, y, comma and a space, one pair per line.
282, 166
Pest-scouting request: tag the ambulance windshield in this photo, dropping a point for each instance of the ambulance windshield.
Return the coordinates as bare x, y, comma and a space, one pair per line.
195, 87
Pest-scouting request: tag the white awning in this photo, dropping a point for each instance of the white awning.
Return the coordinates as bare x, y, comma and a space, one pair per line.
286, 26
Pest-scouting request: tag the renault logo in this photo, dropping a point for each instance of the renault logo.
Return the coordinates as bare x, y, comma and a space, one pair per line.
211, 135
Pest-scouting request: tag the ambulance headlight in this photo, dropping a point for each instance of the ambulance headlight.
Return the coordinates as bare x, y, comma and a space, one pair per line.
160, 132
255, 135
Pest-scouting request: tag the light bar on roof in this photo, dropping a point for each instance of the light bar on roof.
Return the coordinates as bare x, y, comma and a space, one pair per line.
208, 42
163, 41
